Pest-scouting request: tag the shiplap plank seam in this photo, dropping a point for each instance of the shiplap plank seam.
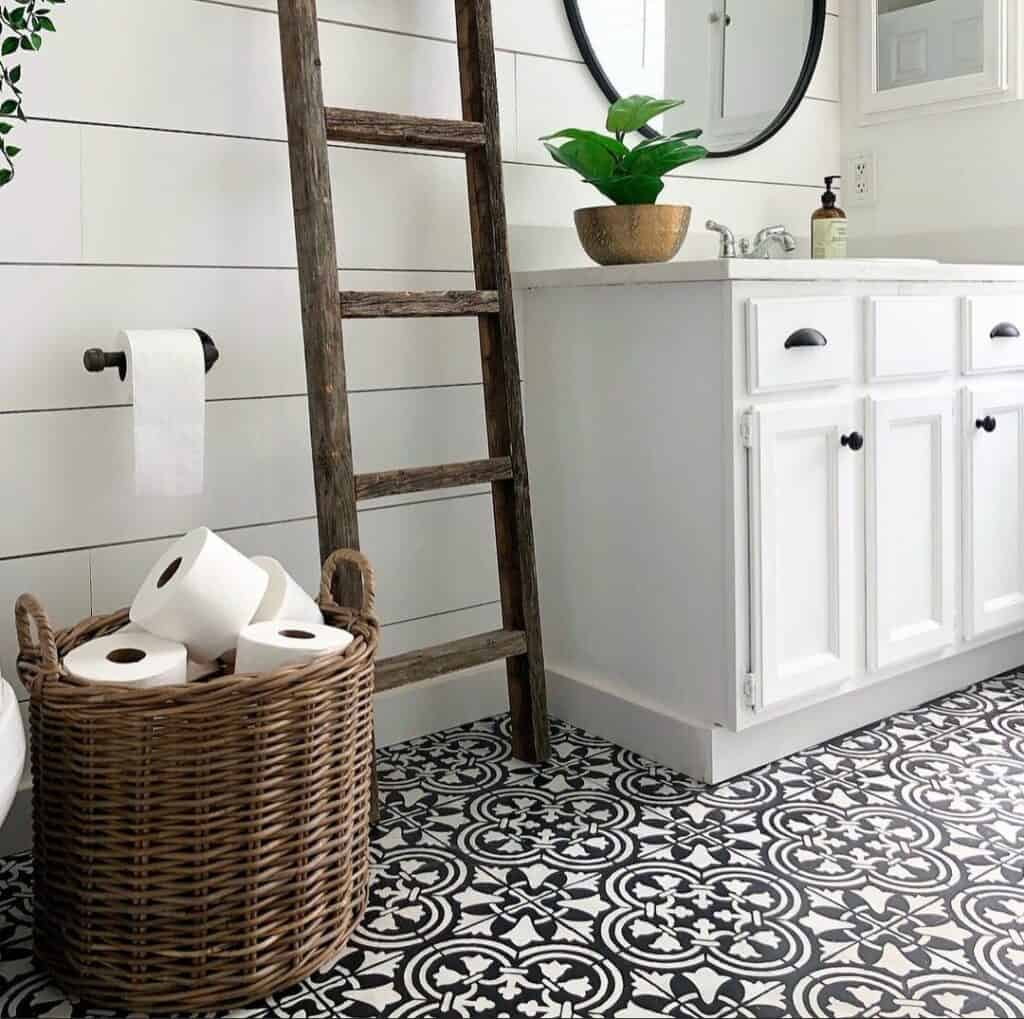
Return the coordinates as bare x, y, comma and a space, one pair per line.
414, 35
384, 150
476, 493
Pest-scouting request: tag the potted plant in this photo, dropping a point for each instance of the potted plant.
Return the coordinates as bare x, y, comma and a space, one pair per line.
634, 229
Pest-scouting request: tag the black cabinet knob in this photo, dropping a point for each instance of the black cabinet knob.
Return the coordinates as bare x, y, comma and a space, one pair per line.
1004, 331
987, 423
854, 441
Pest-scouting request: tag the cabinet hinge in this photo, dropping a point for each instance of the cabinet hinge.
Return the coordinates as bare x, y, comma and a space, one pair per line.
747, 430
751, 691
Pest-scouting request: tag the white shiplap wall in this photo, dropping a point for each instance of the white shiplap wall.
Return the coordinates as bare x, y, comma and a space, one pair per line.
153, 191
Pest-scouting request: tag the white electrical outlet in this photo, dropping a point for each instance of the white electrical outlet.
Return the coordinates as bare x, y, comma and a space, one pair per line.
860, 182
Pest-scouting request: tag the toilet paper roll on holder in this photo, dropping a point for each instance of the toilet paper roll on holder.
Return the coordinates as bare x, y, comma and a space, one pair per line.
95, 360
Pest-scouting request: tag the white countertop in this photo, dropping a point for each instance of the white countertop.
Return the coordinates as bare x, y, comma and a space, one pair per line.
723, 269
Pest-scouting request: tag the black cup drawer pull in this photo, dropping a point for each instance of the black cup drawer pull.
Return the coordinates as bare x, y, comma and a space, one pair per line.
1004, 331
806, 338
854, 441
986, 424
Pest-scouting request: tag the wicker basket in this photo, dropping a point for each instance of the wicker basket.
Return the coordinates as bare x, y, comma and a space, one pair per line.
202, 846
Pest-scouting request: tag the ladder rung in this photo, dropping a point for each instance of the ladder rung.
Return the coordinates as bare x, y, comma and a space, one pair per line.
368, 128
451, 657
426, 479
418, 303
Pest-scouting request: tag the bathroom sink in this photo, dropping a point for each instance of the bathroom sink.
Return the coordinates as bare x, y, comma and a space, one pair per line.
12, 747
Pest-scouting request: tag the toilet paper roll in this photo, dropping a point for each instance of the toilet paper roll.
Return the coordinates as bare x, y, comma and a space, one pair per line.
196, 670
265, 647
284, 598
168, 379
136, 658
201, 592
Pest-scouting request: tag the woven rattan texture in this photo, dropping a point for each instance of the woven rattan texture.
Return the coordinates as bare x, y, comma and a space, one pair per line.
200, 846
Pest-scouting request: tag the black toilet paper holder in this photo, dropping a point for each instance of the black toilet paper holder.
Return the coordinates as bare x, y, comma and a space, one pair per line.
95, 360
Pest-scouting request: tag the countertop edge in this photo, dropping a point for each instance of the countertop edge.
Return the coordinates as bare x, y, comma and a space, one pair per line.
751, 270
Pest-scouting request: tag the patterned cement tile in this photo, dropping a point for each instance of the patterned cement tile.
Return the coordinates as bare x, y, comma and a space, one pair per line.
878, 874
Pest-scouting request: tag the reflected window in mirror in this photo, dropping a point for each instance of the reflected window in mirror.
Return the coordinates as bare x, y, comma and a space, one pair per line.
743, 66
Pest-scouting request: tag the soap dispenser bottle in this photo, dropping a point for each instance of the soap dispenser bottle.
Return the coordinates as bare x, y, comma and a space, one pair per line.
828, 226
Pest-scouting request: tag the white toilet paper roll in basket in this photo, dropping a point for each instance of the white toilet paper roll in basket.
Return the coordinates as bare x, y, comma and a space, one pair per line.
196, 670
284, 599
201, 592
279, 643
136, 658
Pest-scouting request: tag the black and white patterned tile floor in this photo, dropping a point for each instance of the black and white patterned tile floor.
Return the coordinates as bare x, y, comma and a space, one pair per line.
880, 875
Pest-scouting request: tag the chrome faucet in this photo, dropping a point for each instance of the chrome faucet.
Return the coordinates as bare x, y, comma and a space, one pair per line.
759, 247
727, 240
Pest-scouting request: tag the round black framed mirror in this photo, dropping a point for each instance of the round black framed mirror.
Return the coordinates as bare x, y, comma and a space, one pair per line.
743, 66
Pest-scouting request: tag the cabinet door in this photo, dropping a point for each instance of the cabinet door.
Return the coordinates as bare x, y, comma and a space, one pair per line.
802, 523
910, 528
993, 435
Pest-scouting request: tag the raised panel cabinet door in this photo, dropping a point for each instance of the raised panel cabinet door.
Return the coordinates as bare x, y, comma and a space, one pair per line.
803, 516
910, 528
993, 437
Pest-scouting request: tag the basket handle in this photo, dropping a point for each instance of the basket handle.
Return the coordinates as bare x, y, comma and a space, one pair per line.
348, 555
28, 611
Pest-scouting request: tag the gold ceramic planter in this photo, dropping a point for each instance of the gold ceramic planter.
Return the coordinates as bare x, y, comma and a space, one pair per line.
627, 234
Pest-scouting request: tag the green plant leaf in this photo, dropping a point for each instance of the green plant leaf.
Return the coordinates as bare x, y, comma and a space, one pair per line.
629, 190
7, 107
44, 23
613, 145
680, 136
632, 112
10, 44
5, 128
5, 176
15, 74
587, 158
662, 157
12, 150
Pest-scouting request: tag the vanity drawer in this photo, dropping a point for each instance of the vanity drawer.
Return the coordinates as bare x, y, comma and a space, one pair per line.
910, 337
993, 334
800, 343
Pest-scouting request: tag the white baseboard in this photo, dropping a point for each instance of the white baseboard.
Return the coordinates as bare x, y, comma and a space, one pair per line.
399, 715
607, 708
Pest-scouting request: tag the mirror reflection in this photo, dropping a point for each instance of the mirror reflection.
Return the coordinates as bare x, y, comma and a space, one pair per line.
737, 63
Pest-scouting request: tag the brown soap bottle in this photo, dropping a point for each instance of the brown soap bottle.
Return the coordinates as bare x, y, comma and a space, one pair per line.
828, 226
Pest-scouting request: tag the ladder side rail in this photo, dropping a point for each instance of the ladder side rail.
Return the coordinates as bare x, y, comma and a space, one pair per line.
502, 390
330, 431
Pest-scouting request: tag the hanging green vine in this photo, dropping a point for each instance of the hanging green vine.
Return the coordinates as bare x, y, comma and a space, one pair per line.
21, 29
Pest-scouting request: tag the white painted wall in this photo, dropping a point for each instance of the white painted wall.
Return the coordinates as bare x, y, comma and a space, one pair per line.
153, 191
946, 183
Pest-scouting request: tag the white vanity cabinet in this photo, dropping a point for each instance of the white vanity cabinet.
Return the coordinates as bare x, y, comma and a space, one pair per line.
993, 518
804, 573
774, 501
911, 528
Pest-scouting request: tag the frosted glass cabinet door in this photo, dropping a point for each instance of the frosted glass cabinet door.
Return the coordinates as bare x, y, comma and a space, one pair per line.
910, 532
802, 523
993, 435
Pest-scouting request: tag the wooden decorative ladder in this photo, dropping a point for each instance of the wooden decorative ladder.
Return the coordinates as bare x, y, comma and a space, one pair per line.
338, 489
